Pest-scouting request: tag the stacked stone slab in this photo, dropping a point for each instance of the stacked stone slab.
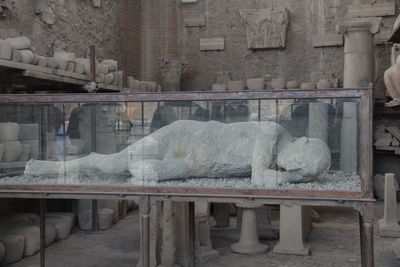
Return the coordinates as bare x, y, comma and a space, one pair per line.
9, 144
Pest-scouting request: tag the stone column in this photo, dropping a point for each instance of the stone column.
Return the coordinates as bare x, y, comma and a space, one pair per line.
168, 247
389, 225
318, 121
202, 238
295, 223
358, 72
248, 242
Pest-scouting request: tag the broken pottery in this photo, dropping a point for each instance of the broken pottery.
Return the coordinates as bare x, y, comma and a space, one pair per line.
108, 78
105, 219
5, 50
12, 150
292, 84
111, 64
324, 84
307, 86
19, 42
42, 61
16, 55
14, 246
27, 56
219, 87
25, 152
256, 84
236, 86
70, 67
65, 56
63, 223
130, 82
62, 64
31, 236
9, 131
52, 63
279, 83
100, 78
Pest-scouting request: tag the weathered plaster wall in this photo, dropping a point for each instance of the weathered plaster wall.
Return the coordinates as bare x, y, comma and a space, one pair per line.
73, 25
297, 61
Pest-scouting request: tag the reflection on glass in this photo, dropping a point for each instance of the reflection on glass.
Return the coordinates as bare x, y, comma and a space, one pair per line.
274, 144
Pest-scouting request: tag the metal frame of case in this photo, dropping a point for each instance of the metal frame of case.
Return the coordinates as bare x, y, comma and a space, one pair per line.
360, 201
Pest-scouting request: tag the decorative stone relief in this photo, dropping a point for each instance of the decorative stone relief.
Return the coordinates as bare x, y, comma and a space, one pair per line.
265, 28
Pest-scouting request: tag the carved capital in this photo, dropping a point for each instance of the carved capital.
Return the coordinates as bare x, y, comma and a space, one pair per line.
374, 25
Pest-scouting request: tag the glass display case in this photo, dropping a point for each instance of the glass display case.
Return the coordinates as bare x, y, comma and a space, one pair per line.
265, 143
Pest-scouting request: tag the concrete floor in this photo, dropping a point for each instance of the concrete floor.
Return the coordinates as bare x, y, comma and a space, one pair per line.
334, 242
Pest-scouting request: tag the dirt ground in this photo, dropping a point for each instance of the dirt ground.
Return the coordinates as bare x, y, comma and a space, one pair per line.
334, 241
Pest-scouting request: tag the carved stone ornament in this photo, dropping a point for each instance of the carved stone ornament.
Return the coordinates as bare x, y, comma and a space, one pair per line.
265, 28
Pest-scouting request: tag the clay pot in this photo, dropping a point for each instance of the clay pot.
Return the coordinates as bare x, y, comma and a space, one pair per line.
307, 86
324, 84
236, 86
25, 153
12, 150
219, 87
256, 84
279, 83
9, 131
105, 219
292, 84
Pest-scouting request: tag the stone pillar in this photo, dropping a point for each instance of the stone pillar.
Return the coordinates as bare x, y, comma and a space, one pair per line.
389, 225
184, 238
248, 242
295, 223
202, 237
318, 121
168, 247
358, 72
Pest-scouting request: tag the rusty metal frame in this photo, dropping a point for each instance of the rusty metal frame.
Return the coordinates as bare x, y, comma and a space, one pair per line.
364, 94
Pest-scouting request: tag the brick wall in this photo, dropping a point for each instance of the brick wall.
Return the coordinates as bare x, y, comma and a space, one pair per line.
129, 20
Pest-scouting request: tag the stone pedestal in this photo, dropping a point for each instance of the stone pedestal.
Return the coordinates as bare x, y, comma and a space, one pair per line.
168, 247
389, 225
295, 223
358, 72
202, 238
248, 242
264, 224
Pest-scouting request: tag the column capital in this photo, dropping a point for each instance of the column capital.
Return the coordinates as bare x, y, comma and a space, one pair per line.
374, 25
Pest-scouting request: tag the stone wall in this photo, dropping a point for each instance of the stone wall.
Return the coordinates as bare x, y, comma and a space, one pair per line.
297, 61
74, 25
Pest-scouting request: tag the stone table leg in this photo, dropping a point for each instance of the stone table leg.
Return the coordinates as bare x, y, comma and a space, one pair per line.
366, 242
144, 209
389, 225
203, 247
248, 242
168, 248
294, 225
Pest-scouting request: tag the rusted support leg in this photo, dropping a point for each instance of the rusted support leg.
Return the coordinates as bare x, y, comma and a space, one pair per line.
144, 206
367, 241
42, 232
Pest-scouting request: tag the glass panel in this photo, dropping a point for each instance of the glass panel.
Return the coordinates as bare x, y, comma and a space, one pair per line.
269, 144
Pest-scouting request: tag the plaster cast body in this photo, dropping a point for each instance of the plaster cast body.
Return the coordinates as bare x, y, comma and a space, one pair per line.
192, 149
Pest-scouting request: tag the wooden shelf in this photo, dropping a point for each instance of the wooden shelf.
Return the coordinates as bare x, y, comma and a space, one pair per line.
32, 75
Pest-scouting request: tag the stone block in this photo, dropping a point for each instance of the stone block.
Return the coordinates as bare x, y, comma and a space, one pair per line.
199, 21
31, 236
34, 147
389, 225
9, 131
105, 219
110, 204
112, 64
42, 61
325, 40
212, 44
375, 10
12, 150
25, 153
27, 56
14, 246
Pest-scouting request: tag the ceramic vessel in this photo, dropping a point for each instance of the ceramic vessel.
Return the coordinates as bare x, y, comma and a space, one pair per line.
236, 86
12, 150
324, 84
292, 84
9, 131
279, 83
256, 84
